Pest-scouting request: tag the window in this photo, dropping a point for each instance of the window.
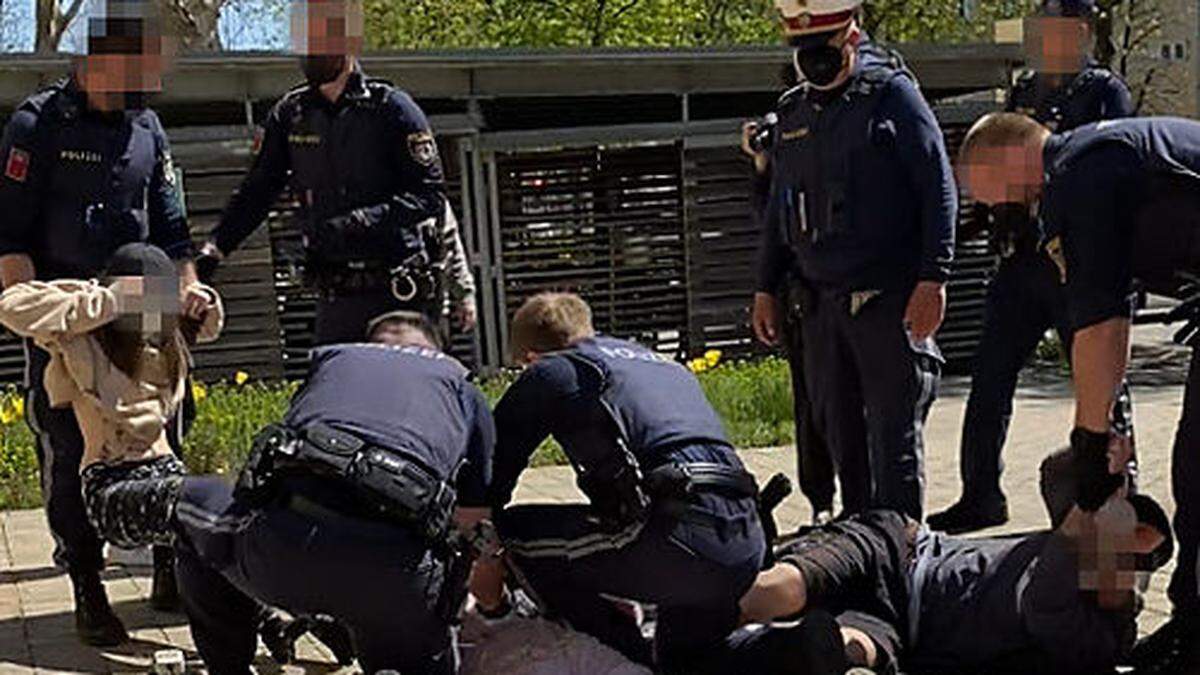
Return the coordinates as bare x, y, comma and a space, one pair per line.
1179, 50
1166, 52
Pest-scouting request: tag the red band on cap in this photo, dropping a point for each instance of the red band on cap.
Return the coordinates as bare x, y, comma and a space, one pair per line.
815, 23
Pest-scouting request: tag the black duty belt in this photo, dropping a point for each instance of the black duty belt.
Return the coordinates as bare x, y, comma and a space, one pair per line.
675, 486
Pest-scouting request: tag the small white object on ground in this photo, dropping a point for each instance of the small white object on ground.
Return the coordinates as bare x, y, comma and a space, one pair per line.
169, 662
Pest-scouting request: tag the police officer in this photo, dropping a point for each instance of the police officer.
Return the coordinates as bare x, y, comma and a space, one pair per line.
360, 157
862, 214
345, 509
814, 465
1119, 201
1025, 297
85, 167
671, 519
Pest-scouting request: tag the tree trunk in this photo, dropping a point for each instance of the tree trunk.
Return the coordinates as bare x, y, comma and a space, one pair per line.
193, 23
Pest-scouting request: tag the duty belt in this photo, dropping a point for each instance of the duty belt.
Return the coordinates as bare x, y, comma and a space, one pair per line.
391, 485
675, 486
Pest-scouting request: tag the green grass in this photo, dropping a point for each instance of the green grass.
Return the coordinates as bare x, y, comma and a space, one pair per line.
753, 398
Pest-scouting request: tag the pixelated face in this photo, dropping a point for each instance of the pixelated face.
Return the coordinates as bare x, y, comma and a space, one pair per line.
1109, 545
144, 302
126, 52
327, 27
1057, 44
1000, 175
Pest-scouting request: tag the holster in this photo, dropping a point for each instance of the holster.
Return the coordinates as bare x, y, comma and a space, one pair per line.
613, 484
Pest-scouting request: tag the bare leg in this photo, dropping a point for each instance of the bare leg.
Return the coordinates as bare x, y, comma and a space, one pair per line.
777, 592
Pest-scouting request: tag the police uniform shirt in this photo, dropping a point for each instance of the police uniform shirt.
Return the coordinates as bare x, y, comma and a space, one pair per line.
657, 401
863, 181
1106, 185
67, 172
412, 400
372, 149
1063, 103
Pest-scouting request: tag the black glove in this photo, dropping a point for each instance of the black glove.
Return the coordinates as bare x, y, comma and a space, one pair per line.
206, 267
1089, 457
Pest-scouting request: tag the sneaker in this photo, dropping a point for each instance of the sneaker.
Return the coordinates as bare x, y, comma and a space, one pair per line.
334, 636
969, 516
95, 623
164, 592
1170, 650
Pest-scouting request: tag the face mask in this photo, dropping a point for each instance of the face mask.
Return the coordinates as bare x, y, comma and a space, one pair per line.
820, 65
322, 68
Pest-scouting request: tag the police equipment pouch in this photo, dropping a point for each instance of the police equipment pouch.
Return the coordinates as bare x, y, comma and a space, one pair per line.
613, 484
393, 485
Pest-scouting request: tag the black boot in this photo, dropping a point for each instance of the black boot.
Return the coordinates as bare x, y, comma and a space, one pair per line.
333, 635
1170, 650
164, 592
969, 515
95, 622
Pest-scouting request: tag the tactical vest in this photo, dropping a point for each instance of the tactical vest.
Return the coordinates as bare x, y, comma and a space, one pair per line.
406, 399
816, 150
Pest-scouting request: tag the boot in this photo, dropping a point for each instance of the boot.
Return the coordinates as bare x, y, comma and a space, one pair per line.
164, 592
970, 515
1172, 649
95, 622
335, 636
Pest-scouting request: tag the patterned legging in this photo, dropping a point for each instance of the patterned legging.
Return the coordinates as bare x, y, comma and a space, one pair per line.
132, 504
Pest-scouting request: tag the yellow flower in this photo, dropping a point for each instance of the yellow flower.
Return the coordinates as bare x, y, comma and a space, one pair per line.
241, 377
698, 365
199, 392
712, 357
6, 415
19, 406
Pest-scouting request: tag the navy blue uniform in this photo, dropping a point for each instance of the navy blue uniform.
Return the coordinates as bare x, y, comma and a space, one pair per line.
369, 181
316, 550
1120, 206
863, 205
74, 185
694, 571
1025, 297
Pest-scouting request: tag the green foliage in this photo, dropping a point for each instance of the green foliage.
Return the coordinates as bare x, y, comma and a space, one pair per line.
458, 24
754, 398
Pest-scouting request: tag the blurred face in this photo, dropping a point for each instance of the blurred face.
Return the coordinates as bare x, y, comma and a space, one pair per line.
146, 303
125, 61
1109, 552
1001, 175
1057, 44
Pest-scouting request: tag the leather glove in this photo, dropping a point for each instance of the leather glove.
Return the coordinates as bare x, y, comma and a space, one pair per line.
1089, 456
207, 262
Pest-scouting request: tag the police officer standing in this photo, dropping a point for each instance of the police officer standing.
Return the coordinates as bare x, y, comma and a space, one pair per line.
349, 508
362, 161
672, 517
1119, 201
862, 213
1026, 297
84, 168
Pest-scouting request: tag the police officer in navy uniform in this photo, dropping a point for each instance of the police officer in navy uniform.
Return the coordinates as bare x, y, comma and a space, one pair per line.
312, 526
86, 167
671, 518
1025, 297
361, 159
1119, 202
862, 213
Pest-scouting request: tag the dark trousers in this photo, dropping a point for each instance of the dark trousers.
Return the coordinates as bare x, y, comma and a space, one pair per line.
380, 580
871, 390
693, 573
59, 447
344, 317
1185, 487
814, 464
1026, 298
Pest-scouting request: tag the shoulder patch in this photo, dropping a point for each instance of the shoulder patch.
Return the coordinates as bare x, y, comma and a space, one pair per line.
16, 167
423, 148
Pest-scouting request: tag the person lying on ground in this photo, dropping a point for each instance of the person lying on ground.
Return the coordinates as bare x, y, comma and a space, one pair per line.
1060, 601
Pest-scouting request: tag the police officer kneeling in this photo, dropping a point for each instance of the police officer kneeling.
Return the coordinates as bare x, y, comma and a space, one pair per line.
346, 509
1120, 200
672, 516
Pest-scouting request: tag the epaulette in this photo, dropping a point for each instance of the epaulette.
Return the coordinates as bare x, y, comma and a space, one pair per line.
50, 99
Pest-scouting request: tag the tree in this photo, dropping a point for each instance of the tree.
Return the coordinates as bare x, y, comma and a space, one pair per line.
194, 23
53, 20
1125, 31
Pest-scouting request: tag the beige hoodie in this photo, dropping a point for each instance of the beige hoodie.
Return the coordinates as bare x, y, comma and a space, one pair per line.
121, 420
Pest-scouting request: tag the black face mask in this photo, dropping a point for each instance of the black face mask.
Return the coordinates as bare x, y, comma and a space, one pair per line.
322, 68
820, 65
